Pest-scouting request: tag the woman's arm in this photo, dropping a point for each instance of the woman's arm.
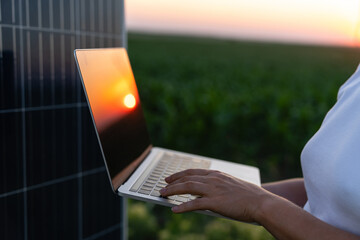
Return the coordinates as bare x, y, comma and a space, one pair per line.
240, 200
291, 189
285, 220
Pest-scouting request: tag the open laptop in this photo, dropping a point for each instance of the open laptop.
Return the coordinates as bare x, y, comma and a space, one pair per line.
135, 168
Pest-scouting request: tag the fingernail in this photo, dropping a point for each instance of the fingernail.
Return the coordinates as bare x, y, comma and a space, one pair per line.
175, 208
163, 190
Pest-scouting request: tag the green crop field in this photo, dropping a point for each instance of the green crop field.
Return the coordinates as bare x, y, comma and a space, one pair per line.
247, 102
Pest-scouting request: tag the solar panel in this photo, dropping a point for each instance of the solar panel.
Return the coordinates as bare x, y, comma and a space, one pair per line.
53, 183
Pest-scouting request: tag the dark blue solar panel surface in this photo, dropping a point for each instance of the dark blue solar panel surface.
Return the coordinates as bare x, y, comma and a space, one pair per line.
53, 183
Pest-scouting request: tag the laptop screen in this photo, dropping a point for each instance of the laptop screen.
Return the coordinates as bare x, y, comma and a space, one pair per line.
115, 105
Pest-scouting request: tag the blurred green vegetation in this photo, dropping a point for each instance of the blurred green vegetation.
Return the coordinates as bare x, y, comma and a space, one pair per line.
153, 222
247, 102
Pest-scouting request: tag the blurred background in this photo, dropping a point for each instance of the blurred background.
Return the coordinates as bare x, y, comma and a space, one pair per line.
243, 81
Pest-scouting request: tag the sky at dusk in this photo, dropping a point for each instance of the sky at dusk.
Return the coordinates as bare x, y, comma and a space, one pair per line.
328, 22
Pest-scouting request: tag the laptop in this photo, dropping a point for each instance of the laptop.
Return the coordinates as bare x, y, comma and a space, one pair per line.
136, 168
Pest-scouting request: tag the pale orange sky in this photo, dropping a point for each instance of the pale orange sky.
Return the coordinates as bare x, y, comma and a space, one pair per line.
330, 22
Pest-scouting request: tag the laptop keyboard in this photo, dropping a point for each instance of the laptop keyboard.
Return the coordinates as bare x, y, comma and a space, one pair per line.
167, 165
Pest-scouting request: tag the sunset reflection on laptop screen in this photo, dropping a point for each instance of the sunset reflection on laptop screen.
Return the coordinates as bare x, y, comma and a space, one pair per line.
116, 109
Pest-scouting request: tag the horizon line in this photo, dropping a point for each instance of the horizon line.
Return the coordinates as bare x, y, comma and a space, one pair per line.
237, 38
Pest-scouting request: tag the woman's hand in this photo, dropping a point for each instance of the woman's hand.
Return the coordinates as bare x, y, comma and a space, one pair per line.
219, 192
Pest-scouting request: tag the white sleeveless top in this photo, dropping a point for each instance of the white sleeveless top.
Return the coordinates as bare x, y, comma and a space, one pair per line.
331, 162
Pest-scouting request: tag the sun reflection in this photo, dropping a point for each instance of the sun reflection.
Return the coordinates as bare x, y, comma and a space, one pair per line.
129, 101
110, 84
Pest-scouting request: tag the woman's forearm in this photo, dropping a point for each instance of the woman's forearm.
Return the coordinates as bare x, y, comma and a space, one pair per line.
287, 221
291, 189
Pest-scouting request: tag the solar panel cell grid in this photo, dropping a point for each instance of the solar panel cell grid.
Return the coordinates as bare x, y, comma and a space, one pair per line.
52, 178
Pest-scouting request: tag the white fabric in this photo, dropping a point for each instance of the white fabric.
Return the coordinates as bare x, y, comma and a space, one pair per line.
331, 162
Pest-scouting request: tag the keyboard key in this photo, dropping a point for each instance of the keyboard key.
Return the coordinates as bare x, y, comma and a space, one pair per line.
182, 199
185, 195
155, 193
148, 185
192, 197
152, 179
146, 192
175, 202
146, 188
151, 182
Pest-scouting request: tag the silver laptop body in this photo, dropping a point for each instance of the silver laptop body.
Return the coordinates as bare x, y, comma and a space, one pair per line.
135, 168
